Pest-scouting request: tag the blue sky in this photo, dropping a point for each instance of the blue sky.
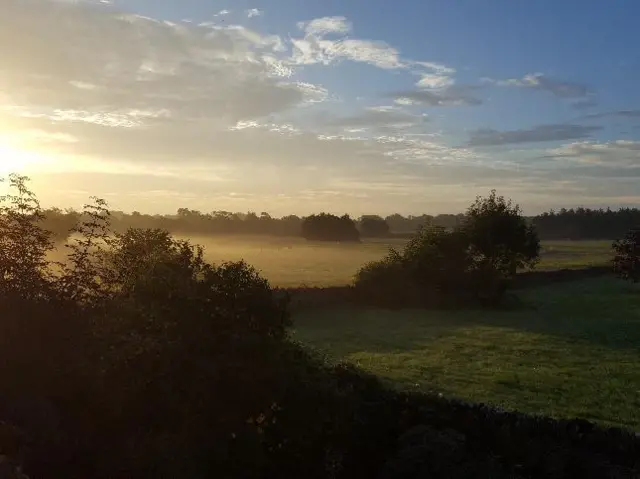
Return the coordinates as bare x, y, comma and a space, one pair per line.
291, 106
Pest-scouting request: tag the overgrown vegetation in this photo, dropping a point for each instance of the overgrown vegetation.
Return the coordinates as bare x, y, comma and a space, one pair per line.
136, 358
470, 264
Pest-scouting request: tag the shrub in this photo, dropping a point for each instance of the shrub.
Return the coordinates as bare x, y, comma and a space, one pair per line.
141, 357
469, 264
626, 258
385, 282
207, 344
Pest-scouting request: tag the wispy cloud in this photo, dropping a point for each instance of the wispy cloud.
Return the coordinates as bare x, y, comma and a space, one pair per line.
374, 117
437, 97
617, 153
325, 42
329, 40
253, 12
620, 114
539, 81
540, 133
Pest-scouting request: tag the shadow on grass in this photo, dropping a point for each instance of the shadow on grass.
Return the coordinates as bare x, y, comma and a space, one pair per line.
571, 352
603, 311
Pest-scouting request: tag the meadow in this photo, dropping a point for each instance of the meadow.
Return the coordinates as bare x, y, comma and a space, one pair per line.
293, 262
570, 351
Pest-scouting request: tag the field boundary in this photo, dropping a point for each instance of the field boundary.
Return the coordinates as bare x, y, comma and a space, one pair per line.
323, 297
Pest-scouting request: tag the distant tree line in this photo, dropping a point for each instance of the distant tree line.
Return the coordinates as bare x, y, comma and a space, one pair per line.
576, 224
193, 222
585, 223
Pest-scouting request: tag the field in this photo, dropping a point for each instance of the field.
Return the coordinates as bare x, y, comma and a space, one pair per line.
572, 351
291, 262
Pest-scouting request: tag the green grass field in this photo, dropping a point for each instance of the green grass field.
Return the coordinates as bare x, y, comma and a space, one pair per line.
290, 262
572, 351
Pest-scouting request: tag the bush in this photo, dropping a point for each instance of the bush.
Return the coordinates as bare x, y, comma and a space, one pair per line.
385, 282
136, 355
626, 256
470, 264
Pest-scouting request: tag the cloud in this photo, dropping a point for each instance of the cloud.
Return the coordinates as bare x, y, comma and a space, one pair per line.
620, 114
134, 90
253, 12
437, 75
540, 133
375, 117
539, 81
320, 27
618, 153
193, 109
329, 40
447, 96
97, 62
325, 41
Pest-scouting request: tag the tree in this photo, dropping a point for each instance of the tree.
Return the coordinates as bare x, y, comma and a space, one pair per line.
374, 226
499, 235
626, 259
24, 243
469, 262
328, 227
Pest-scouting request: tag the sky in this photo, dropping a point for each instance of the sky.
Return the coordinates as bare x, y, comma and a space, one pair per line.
293, 107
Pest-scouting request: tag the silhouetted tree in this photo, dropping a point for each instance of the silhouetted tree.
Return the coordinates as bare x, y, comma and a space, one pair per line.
328, 227
467, 263
373, 226
500, 236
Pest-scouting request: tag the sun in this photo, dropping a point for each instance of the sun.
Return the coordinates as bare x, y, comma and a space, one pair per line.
14, 159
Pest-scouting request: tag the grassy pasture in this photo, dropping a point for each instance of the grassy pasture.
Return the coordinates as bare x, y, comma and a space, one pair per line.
291, 262
572, 351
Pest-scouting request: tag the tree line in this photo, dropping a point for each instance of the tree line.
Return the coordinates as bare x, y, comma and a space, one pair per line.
575, 224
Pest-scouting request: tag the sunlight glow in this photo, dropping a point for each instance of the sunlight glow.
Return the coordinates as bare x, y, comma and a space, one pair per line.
15, 159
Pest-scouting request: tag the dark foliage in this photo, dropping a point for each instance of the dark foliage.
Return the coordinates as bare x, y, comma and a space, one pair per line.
328, 227
626, 258
471, 264
499, 236
586, 224
411, 224
373, 227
